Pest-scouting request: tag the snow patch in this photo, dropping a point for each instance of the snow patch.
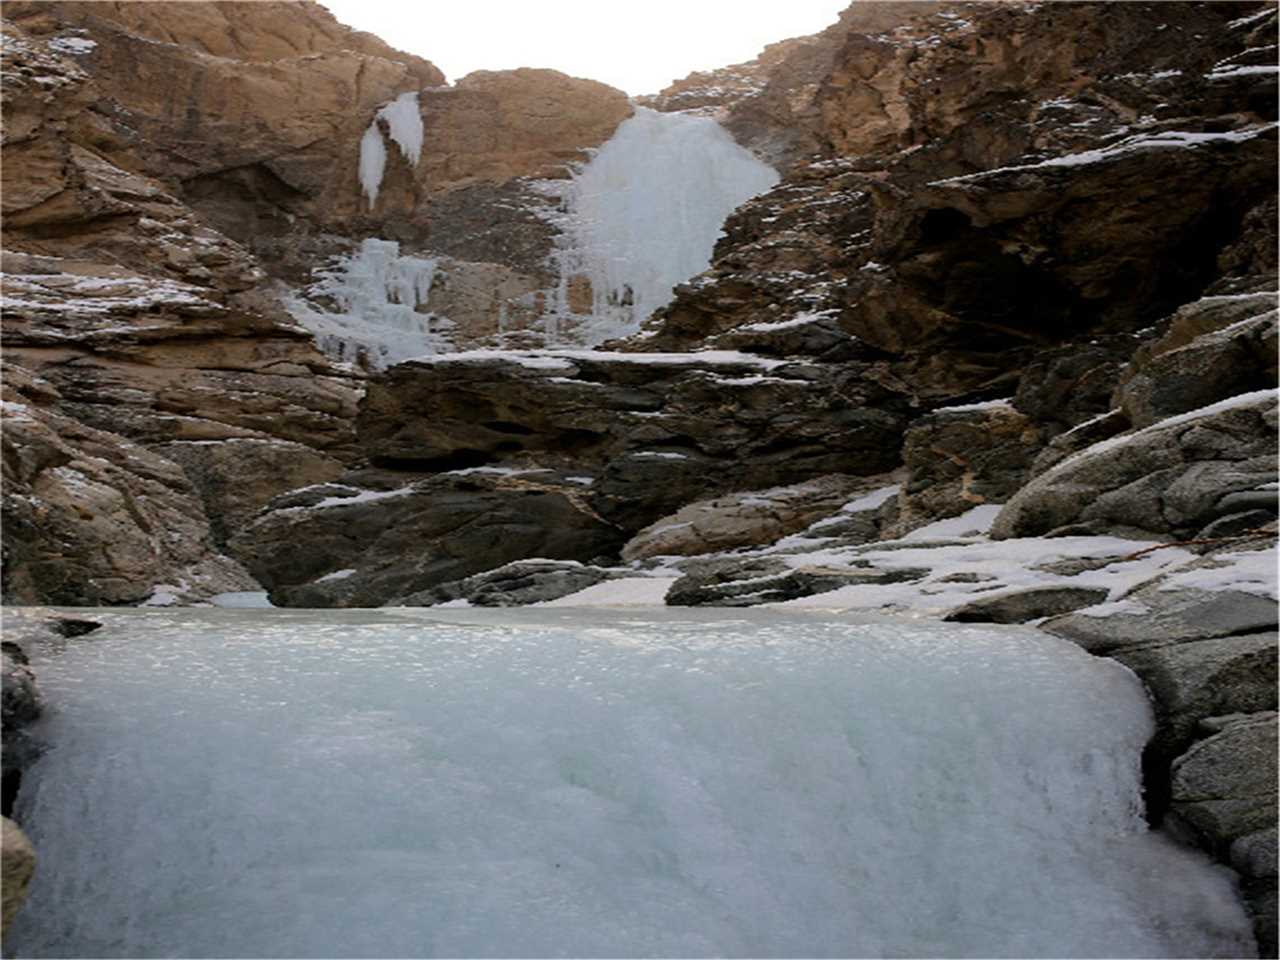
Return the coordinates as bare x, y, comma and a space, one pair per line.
336, 575
975, 522
1006, 404
75, 46
872, 500
1252, 571
624, 592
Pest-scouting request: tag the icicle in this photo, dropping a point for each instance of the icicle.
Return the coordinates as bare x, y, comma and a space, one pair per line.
373, 162
404, 121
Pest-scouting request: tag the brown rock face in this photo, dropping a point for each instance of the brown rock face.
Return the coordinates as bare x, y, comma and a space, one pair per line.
91, 518
252, 114
774, 104
500, 125
960, 458
19, 865
1127, 173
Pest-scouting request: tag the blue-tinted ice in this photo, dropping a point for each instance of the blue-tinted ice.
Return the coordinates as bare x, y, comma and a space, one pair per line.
250, 783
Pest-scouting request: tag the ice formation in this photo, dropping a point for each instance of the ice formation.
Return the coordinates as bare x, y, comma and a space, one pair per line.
644, 215
377, 317
556, 782
404, 123
373, 162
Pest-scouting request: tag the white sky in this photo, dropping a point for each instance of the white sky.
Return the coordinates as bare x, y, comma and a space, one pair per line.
638, 47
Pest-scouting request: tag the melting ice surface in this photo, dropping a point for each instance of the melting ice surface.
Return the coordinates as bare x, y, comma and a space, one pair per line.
645, 213
244, 783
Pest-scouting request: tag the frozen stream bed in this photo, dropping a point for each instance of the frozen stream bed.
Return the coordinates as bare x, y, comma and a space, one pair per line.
559, 782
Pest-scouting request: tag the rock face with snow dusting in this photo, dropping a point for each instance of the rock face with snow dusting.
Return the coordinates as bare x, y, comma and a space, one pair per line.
993, 335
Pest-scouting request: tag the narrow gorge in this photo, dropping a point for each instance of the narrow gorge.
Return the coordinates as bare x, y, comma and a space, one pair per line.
943, 339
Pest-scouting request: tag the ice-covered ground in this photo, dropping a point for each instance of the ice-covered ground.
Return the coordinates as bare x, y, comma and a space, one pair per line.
580, 783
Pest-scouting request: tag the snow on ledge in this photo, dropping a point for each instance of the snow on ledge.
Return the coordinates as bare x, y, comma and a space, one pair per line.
625, 592
564, 359
1130, 145
1006, 404
1240, 402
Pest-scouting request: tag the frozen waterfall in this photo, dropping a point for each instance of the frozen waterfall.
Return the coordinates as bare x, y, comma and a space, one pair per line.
368, 307
644, 215
555, 782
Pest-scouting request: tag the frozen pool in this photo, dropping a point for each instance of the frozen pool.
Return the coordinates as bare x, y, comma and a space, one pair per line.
273, 783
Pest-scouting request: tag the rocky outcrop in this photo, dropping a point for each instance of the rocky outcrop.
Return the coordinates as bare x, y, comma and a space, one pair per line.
275, 96
238, 477
1169, 479
258, 125
18, 867
517, 584
774, 104
1214, 348
652, 431
338, 545
92, 518
970, 227
747, 519
957, 458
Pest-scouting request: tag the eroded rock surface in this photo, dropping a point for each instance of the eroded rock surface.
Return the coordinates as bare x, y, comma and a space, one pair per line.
655, 431
1171, 478
746, 519
92, 518
367, 546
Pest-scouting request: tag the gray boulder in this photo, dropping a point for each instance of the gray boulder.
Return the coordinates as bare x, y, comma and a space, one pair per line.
752, 518
957, 458
737, 582
1224, 798
516, 584
349, 546
1224, 787
1019, 606
1167, 479
1215, 348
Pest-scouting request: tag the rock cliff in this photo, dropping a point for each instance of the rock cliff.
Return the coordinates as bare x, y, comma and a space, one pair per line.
171, 176
999, 345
